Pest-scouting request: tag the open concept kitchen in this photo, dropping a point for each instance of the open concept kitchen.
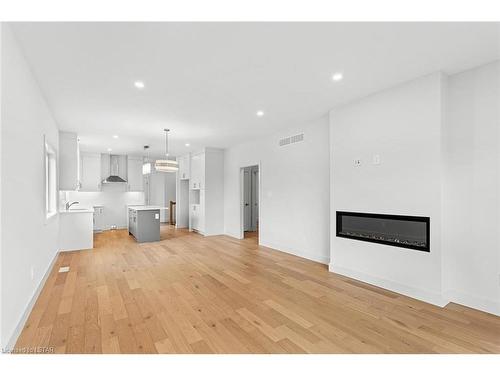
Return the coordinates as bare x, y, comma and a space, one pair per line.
107, 191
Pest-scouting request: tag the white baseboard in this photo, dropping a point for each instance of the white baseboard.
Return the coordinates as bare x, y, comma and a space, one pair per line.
313, 257
473, 302
27, 311
429, 297
237, 237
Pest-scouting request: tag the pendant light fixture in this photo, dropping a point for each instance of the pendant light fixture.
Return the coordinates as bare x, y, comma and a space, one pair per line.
146, 166
166, 165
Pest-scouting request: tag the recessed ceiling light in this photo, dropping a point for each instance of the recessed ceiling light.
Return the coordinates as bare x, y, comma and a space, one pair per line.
139, 84
115, 136
337, 77
260, 113
187, 145
109, 150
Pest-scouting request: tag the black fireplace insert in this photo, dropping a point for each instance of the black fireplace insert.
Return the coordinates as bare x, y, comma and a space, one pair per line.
411, 232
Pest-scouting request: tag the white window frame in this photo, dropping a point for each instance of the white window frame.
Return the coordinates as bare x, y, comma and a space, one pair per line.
50, 166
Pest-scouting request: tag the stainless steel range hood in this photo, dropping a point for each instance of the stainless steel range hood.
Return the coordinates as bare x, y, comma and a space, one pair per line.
114, 169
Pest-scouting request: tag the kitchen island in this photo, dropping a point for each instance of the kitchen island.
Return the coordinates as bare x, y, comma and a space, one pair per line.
144, 223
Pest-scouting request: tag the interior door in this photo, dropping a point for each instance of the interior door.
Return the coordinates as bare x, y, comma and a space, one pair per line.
247, 200
255, 199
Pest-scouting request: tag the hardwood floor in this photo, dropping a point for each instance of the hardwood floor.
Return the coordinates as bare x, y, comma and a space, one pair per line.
190, 294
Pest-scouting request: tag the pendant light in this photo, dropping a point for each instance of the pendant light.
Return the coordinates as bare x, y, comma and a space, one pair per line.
166, 165
146, 167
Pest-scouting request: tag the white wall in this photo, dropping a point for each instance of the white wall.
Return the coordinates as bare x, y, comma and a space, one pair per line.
471, 223
113, 197
294, 199
2, 343
28, 241
403, 126
161, 189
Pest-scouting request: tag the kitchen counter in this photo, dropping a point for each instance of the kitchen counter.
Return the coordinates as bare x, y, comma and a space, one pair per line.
77, 211
76, 229
146, 208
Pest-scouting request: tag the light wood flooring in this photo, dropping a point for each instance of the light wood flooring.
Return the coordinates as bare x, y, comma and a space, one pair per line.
191, 294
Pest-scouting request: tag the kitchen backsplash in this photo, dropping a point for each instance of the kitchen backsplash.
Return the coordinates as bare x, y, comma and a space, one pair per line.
113, 197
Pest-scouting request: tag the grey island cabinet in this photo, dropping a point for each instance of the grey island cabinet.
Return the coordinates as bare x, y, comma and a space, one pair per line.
144, 223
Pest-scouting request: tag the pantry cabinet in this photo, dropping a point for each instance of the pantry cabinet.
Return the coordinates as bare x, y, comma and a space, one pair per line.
184, 167
206, 188
197, 171
90, 171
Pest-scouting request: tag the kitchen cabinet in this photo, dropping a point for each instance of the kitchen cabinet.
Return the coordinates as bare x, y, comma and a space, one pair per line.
195, 209
134, 174
90, 171
98, 218
184, 166
197, 171
76, 232
69, 161
206, 184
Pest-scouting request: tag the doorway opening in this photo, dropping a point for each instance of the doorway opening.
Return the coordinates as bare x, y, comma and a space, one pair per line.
182, 205
250, 202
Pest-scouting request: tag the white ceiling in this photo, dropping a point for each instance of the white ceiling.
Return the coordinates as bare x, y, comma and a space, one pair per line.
206, 81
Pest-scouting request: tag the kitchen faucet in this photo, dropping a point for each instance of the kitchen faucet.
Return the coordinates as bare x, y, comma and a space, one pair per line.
68, 205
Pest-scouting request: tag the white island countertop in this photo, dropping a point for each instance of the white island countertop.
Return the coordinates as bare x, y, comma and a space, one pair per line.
147, 208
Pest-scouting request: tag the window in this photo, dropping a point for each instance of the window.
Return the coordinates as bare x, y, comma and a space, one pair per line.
50, 181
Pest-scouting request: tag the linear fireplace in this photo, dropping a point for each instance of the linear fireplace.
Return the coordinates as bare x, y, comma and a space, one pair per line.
412, 232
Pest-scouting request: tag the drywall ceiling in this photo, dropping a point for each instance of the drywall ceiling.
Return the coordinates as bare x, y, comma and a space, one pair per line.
206, 81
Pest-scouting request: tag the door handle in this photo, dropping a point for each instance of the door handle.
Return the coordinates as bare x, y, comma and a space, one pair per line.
246, 204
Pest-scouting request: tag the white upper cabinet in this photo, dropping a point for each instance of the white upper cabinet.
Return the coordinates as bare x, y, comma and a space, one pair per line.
69, 163
197, 179
90, 171
134, 173
184, 167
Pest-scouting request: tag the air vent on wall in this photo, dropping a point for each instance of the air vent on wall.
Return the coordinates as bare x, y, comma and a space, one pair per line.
292, 139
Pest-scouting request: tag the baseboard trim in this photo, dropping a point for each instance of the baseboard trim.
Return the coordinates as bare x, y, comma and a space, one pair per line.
27, 311
314, 258
422, 295
237, 237
473, 302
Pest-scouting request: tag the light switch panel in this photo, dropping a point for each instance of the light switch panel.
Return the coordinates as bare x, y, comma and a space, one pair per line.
157, 216
376, 159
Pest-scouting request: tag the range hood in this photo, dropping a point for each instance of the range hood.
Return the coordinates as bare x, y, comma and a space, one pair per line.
114, 170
